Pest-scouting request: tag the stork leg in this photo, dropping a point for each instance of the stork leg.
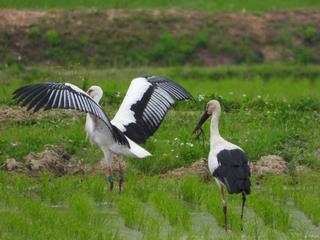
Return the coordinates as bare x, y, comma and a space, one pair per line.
107, 157
121, 176
224, 205
243, 204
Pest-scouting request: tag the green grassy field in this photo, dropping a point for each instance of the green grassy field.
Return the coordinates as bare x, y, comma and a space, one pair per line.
267, 110
217, 6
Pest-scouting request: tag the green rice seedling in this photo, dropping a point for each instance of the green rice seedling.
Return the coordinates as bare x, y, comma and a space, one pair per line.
171, 208
81, 205
95, 186
132, 211
279, 188
141, 186
56, 190
306, 195
272, 213
192, 189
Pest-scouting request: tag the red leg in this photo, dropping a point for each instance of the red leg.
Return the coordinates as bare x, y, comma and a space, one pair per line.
224, 204
121, 177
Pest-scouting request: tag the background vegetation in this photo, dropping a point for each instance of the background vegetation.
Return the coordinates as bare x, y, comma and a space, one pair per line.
119, 38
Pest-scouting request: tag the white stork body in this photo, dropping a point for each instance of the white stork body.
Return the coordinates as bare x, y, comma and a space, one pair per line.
227, 162
143, 108
99, 134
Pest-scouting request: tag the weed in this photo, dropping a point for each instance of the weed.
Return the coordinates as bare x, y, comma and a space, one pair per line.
308, 33
35, 33
53, 38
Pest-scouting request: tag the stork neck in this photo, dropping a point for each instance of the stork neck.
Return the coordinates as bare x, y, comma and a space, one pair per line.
214, 129
97, 98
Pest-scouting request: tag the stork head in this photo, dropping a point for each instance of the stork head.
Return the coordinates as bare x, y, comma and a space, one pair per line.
96, 93
213, 109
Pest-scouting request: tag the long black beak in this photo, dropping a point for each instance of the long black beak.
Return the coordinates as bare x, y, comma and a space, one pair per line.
203, 118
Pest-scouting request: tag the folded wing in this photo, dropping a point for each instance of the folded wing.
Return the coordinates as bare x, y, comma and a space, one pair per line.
145, 105
65, 96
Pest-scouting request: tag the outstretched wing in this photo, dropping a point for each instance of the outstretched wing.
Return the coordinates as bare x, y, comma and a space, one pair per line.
146, 103
65, 96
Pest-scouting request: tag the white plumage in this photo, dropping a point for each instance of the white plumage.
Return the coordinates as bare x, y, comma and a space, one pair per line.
147, 101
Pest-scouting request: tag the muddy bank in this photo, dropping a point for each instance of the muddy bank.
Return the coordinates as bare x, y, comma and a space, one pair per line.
266, 165
56, 160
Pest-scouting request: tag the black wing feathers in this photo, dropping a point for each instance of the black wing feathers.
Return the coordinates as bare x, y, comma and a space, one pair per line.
171, 87
61, 95
151, 109
233, 170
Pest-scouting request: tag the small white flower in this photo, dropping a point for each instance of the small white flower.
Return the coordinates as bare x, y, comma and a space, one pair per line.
177, 156
258, 96
181, 144
201, 97
244, 95
189, 144
172, 150
118, 94
176, 139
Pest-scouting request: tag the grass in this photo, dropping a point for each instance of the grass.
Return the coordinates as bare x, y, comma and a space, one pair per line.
217, 6
263, 116
264, 112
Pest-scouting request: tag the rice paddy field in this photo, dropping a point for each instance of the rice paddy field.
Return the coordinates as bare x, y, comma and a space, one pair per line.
267, 109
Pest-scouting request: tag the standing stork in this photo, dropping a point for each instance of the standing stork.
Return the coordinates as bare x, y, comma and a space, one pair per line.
143, 108
227, 162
